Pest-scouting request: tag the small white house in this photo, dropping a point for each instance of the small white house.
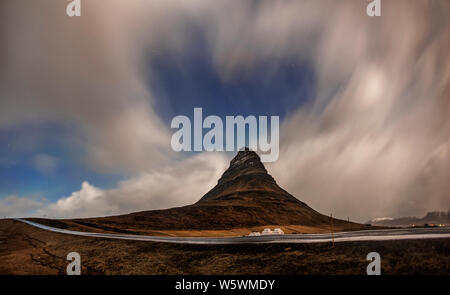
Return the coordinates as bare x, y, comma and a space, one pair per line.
254, 233
278, 231
268, 231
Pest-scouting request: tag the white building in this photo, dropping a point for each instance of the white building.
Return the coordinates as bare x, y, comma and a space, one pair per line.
268, 231
278, 231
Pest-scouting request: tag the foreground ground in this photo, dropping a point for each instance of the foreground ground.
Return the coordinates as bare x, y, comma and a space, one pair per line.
27, 250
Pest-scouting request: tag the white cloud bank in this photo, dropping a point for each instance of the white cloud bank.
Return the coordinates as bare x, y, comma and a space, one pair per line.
14, 206
181, 184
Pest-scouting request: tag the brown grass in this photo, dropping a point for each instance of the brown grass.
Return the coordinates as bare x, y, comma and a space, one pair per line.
27, 250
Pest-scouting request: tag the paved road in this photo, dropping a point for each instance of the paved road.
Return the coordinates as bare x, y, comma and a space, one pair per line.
366, 235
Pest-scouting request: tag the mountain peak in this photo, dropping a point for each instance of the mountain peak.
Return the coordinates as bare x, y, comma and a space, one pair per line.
245, 162
246, 173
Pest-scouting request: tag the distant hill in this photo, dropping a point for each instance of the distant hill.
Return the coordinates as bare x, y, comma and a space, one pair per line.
432, 218
246, 196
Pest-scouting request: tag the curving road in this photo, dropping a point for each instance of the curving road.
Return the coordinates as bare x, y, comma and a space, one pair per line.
366, 235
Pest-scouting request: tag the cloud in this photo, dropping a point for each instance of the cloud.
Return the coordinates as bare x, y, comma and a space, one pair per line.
14, 206
84, 72
360, 150
429, 189
180, 184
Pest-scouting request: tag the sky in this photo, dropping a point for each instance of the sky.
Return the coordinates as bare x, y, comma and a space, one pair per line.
86, 102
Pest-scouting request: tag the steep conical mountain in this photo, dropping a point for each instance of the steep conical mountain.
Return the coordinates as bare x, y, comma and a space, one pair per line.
245, 197
256, 198
246, 182
246, 174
